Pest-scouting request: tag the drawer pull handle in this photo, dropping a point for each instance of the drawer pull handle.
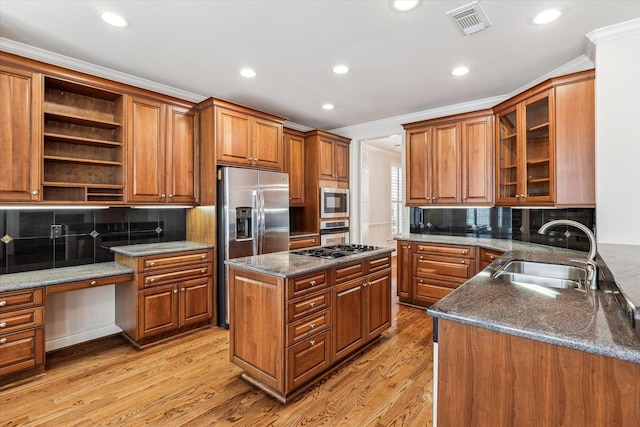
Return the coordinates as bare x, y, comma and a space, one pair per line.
204, 270
462, 261
3, 303
313, 325
3, 324
312, 342
421, 257
3, 340
152, 263
312, 304
153, 279
312, 283
203, 257
93, 282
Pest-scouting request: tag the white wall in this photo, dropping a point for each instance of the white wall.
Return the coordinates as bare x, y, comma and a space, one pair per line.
617, 59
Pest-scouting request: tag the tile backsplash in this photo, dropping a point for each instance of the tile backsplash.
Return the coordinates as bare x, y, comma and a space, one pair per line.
86, 236
505, 223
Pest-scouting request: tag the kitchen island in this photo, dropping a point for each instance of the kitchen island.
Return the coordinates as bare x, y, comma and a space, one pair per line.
507, 355
294, 318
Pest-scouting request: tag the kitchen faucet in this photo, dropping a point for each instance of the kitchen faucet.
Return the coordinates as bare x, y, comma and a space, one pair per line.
592, 270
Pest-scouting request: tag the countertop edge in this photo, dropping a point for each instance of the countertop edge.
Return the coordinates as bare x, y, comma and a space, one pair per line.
149, 249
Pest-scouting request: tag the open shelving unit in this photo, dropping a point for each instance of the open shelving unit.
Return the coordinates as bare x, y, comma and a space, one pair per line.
83, 152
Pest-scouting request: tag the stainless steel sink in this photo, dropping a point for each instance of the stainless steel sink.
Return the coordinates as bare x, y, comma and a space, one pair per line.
543, 274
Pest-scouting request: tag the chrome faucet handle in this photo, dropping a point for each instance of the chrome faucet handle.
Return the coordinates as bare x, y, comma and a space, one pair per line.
592, 274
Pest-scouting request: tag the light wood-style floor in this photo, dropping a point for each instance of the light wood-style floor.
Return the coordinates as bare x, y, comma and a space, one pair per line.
190, 382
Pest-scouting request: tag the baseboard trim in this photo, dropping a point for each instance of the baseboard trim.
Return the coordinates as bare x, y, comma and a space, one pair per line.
82, 336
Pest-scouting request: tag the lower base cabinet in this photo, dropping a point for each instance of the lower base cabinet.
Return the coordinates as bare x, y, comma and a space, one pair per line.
169, 295
287, 332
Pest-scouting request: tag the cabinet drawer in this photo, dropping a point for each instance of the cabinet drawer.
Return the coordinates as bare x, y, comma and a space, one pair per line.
173, 276
378, 264
304, 242
460, 251
83, 284
454, 269
488, 255
175, 260
21, 299
297, 286
425, 291
22, 350
308, 359
306, 327
21, 319
346, 273
304, 306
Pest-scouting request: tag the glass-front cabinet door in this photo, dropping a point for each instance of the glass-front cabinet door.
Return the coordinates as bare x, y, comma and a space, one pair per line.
524, 154
538, 149
507, 157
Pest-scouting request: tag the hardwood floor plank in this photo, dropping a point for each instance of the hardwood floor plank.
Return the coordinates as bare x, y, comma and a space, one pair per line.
190, 382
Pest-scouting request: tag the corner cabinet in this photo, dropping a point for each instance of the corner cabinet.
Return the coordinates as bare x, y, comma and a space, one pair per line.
20, 134
294, 165
449, 160
545, 144
286, 333
162, 152
170, 294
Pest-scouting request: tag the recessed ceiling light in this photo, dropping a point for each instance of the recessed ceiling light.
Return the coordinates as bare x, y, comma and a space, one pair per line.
547, 16
114, 19
248, 72
341, 69
404, 5
327, 106
460, 71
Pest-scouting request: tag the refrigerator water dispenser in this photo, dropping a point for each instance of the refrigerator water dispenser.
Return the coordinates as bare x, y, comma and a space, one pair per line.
243, 224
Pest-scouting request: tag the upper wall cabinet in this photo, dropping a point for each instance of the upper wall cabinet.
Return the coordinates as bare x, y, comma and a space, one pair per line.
545, 144
19, 134
294, 165
162, 152
331, 154
449, 160
248, 138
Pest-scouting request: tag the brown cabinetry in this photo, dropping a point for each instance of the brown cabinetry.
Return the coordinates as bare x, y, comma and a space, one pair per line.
20, 134
304, 242
449, 160
162, 152
486, 257
294, 165
545, 144
21, 331
170, 294
435, 270
285, 333
330, 153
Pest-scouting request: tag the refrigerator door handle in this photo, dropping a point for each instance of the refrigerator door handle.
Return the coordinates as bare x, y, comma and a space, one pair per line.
255, 218
263, 219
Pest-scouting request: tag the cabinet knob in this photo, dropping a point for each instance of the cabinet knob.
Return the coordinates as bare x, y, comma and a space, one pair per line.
312, 304
492, 257
203, 257
153, 279
35, 192
3, 303
170, 196
462, 261
312, 342
3, 340
464, 197
522, 196
312, 283
93, 282
517, 196
421, 257
163, 196
313, 325
204, 270
152, 263
175, 291
182, 289
3, 324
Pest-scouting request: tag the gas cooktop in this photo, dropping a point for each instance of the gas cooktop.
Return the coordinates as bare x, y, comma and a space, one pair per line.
335, 251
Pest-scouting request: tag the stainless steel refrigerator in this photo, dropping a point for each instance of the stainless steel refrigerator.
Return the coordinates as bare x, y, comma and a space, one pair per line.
253, 219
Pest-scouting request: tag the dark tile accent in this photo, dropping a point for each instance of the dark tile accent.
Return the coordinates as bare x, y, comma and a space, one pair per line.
75, 222
30, 223
73, 250
29, 254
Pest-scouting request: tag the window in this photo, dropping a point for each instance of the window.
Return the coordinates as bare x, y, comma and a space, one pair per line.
396, 199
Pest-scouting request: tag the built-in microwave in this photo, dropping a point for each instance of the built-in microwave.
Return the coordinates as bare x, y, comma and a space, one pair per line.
334, 202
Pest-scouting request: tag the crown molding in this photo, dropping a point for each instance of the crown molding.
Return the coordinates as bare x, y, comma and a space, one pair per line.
38, 54
613, 32
296, 126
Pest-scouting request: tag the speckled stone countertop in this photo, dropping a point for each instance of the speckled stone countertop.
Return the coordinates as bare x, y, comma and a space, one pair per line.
56, 276
624, 263
590, 321
287, 264
147, 249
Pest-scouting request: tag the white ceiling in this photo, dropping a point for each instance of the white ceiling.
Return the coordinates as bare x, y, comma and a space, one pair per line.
400, 62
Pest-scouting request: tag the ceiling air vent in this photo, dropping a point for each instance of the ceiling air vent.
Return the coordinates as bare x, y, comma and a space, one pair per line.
470, 18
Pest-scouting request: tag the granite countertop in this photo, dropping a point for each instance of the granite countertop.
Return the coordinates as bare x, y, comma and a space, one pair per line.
287, 264
147, 249
56, 276
585, 320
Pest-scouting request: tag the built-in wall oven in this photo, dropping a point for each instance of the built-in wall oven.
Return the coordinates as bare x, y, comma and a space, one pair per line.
334, 202
334, 232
